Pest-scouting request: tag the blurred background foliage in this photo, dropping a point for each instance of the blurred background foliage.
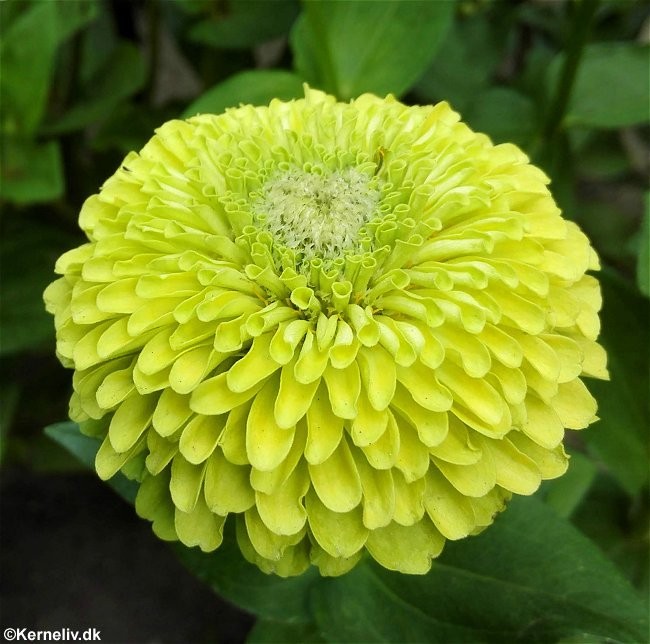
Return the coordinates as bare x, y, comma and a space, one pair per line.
85, 81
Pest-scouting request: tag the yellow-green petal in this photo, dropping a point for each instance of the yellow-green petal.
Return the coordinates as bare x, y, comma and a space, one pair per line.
406, 549
378, 375
324, 428
130, 421
186, 483
574, 405
267, 444
283, 510
378, 493
450, 511
294, 398
336, 480
200, 436
254, 367
340, 534
409, 499
344, 387
226, 486
200, 527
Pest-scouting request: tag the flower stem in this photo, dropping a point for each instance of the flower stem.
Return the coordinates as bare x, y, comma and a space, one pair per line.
153, 11
579, 32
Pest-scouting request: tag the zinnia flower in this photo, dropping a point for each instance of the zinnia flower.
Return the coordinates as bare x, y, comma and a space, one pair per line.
352, 326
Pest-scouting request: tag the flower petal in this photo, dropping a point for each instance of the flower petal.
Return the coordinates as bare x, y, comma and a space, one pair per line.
551, 463
450, 511
233, 437
200, 527
340, 534
413, 455
267, 444
471, 480
542, 425
268, 482
192, 366
161, 452
254, 367
336, 480
311, 362
226, 486
409, 499
186, 483
108, 461
406, 549
154, 503
382, 453
268, 544
294, 398
574, 405
172, 411
213, 397
369, 424
378, 375
432, 426
290, 560
457, 446
378, 493
474, 393
283, 511
422, 383
514, 470
324, 428
344, 387
130, 421
329, 566
200, 436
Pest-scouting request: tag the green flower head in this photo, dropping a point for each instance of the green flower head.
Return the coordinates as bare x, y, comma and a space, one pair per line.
351, 326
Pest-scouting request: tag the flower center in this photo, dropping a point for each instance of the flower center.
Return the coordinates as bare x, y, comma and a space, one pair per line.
319, 214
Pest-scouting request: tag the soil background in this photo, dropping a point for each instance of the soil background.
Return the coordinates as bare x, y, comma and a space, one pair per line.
74, 555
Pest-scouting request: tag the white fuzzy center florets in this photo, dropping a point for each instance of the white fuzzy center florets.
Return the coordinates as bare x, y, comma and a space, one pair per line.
318, 214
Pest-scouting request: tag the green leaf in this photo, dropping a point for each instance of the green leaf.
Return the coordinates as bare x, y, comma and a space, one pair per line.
29, 250
601, 154
192, 7
129, 127
107, 89
619, 525
269, 632
621, 437
643, 261
84, 448
609, 223
464, 63
245, 23
531, 577
505, 115
29, 44
29, 47
97, 44
256, 87
231, 576
67, 435
612, 86
347, 48
31, 172
72, 15
565, 494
